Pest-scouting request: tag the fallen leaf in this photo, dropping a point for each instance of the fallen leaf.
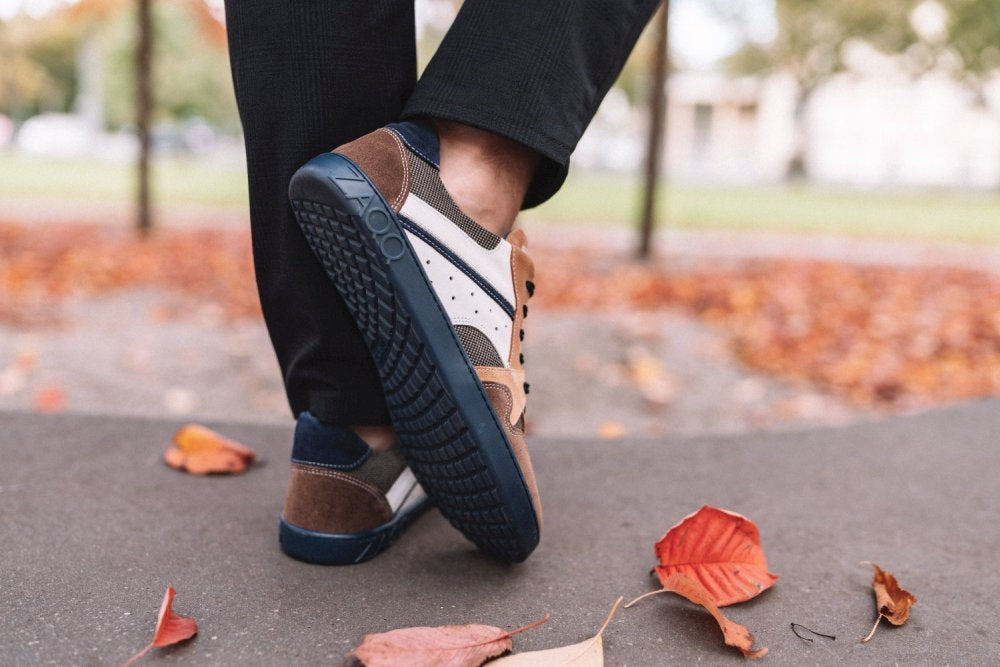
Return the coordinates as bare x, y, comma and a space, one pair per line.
201, 451
50, 399
171, 628
733, 634
611, 430
444, 646
892, 602
588, 653
718, 549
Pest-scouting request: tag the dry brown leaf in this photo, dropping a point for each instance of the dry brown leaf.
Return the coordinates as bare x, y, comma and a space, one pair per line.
588, 653
201, 451
892, 602
444, 646
720, 550
733, 634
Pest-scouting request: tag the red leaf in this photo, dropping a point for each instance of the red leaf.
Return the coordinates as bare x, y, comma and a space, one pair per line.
718, 549
171, 628
733, 634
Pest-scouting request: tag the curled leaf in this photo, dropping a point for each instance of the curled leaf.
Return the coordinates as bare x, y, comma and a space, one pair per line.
171, 628
448, 645
718, 549
733, 634
588, 653
201, 451
892, 602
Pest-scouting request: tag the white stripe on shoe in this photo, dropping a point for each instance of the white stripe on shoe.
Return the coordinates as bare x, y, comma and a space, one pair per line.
405, 492
462, 299
492, 265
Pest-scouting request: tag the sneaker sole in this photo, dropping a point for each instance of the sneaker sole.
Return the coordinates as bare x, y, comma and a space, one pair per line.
448, 432
346, 548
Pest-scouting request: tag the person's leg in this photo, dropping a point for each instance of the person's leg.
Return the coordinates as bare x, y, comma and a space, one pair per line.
410, 223
309, 76
531, 72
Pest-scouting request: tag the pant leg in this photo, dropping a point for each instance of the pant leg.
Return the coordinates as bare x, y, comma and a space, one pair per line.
311, 75
532, 71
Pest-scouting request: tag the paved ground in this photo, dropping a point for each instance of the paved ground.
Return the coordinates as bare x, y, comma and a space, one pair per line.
94, 527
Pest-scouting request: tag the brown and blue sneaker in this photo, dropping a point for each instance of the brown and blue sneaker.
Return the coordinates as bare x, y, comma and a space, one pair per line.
441, 302
346, 503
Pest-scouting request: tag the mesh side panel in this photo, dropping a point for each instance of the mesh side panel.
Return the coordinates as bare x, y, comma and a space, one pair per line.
479, 348
427, 185
382, 469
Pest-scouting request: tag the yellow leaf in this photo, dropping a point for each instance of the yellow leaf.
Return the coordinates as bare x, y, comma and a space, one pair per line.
588, 653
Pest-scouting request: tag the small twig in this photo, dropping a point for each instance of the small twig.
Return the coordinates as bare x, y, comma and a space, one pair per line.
870, 634
808, 639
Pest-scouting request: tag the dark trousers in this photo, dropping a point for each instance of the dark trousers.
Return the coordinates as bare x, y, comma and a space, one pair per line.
311, 75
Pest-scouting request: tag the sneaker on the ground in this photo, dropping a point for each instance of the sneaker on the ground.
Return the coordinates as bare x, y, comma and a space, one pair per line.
440, 301
346, 503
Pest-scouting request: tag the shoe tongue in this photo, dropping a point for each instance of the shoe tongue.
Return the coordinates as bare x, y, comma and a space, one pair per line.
421, 137
327, 444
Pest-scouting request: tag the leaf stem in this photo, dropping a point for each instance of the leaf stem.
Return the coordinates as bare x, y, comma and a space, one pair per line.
870, 634
138, 655
646, 595
611, 615
529, 626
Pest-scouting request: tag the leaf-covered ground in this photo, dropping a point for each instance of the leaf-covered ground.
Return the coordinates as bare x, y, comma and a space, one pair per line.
877, 336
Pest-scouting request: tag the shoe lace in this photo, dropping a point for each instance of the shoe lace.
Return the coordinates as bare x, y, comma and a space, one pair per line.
530, 286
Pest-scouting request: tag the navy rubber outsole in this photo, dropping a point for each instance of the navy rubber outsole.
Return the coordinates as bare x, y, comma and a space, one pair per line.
348, 548
448, 432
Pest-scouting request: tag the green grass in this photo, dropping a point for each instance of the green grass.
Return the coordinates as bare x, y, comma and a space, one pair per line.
916, 214
174, 180
586, 199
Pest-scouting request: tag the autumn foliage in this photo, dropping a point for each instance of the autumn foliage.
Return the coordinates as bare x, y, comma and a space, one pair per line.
878, 336
881, 337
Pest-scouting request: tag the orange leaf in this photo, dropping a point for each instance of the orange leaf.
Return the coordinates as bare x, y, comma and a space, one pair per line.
892, 602
50, 399
201, 451
718, 549
170, 629
733, 634
449, 645
611, 430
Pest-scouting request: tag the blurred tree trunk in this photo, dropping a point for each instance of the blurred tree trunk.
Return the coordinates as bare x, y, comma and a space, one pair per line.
657, 130
797, 168
144, 109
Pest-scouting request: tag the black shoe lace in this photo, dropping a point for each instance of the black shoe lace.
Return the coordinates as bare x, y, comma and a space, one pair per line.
530, 286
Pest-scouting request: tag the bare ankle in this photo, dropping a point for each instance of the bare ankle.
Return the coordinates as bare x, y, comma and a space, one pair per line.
379, 438
487, 175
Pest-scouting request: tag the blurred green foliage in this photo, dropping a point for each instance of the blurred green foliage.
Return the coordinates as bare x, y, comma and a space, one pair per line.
41, 69
190, 73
